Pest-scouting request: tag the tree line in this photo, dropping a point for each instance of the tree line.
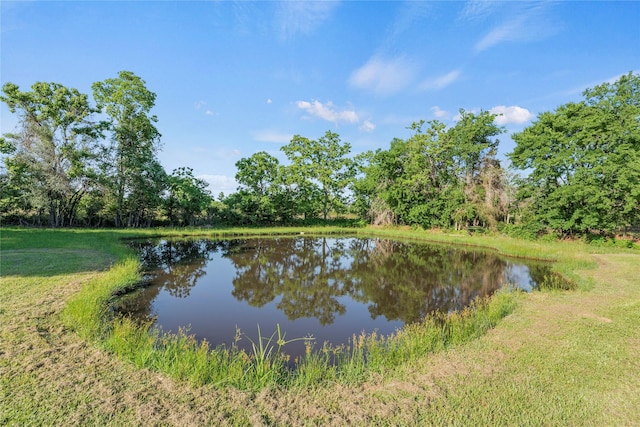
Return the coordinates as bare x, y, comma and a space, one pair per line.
575, 170
74, 163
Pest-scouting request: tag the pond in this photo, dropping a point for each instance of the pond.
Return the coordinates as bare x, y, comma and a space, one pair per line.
329, 288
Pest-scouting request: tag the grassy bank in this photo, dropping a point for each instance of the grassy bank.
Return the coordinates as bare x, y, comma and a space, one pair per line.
558, 348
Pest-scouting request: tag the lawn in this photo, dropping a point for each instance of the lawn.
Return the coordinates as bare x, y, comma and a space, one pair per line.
560, 358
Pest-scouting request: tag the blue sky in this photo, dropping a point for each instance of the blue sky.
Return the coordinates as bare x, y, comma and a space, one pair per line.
234, 78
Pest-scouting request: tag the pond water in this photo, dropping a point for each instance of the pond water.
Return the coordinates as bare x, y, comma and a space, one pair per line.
326, 287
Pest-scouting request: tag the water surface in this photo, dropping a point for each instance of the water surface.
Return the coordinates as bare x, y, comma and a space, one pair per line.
328, 288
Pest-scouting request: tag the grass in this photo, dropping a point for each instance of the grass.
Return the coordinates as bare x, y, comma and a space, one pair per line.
559, 358
182, 357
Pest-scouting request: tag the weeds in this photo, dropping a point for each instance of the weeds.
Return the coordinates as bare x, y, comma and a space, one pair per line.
182, 356
268, 360
266, 366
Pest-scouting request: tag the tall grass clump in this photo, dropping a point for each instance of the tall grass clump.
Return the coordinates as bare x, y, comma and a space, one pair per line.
178, 355
269, 362
432, 334
366, 354
88, 312
266, 366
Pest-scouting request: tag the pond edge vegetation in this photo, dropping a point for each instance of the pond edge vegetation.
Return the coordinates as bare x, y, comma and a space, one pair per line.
182, 357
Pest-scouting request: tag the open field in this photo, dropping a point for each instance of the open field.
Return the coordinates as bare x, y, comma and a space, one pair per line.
561, 358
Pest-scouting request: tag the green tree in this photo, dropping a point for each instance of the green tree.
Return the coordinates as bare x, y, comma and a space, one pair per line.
50, 161
584, 161
408, 182
187, 197
320, 168
438, 177
258, 176
135, 142
258, 173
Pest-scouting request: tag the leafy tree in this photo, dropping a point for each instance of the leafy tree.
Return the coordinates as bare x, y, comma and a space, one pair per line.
584, 160
473, 150
144, 199
14, 201
438, 177
132, 161
260, 179
258, 173
319, 168
187, 197
403, 182
50, 162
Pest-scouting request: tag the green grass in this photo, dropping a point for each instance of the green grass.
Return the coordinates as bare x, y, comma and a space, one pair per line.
559, 358
182, 357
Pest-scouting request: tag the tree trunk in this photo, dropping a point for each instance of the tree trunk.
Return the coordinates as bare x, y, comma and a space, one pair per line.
326, 202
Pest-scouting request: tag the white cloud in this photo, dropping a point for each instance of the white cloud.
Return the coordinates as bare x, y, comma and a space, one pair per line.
219, 183
439, 113
368, 126
511, 114
269, 101
302, 17
440, 82
328, 112
384, 76
268, 135
210, 113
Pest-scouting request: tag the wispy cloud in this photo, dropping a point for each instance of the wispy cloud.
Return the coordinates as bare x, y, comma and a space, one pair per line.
508, 31
328, 112
479, 9
578, 90
610, 80
523, 25
511, 114
440, 82
409, 14
302, 17
384, 76
269, 135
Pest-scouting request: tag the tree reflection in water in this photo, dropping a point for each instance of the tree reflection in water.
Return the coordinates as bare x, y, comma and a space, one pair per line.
306, 273
319, 277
